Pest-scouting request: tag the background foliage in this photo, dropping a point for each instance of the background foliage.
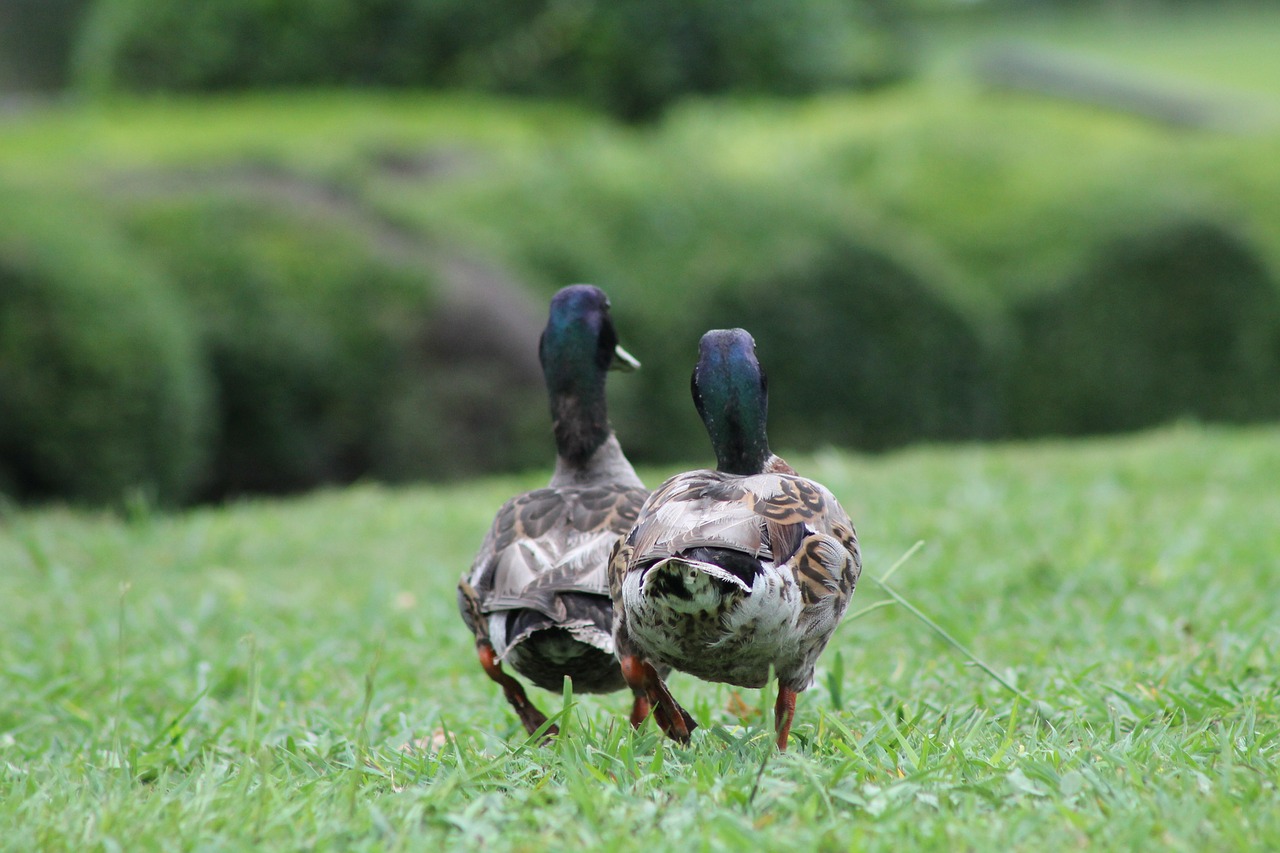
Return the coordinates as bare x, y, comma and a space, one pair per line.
629, 57
103, 387
358, 278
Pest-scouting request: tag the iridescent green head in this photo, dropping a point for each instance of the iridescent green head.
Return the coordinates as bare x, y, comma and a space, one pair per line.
578, 346
731, 393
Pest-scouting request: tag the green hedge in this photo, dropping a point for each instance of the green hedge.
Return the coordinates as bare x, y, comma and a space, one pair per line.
923, 322
1177, 320
331, 362
102, 384
861, 353
893, 302
630, 57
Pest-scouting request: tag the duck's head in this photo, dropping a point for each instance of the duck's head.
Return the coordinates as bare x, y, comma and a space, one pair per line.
578, 346
579, 343
731, 393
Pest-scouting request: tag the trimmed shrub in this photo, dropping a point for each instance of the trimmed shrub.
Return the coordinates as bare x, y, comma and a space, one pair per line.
332, 362
630, 57
1182, 320
102, 388
860, 352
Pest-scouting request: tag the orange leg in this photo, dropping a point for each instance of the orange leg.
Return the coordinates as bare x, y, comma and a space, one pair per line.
784, 711
639, 710
674, 721
529, 715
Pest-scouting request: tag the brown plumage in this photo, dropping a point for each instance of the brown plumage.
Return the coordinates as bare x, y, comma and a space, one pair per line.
731, 572
537, 594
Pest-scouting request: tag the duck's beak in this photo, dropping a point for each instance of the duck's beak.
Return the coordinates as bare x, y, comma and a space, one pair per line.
623, 360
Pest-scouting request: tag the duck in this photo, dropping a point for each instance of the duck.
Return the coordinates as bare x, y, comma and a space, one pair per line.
732, 573
536, 597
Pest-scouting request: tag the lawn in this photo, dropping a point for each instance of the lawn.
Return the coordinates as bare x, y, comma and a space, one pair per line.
1225, 46
250, 675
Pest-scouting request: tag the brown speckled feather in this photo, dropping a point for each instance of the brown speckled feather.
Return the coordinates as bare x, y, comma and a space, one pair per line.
551, 541
794, 526
538, 588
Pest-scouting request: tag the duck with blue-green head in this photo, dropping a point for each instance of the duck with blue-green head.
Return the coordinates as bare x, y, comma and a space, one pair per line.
732, 573
537, 595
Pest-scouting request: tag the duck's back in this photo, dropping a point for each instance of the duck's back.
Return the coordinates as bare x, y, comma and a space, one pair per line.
766, 515
540, 581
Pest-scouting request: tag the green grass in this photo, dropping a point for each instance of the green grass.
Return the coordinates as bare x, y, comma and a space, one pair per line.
1220, 46
246, 676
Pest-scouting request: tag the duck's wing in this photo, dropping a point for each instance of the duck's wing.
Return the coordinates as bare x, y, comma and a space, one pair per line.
549, 542
823, 552
697, 509
777, 517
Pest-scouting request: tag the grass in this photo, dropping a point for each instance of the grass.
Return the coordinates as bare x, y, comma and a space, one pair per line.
1204, 46
248, 676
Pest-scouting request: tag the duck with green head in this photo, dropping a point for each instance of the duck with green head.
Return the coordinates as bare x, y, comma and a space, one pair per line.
730, 573
537, 595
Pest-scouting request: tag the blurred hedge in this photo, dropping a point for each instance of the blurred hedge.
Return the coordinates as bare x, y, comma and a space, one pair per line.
36, 41
629, 57
861, 352
216, 342
1178, 320
102, 383
892, 304
330, 360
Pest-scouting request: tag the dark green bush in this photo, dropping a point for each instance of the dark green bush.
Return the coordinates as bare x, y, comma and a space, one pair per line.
36, 38
630, 57
102, 387
331, 362
860, 352
1181, 320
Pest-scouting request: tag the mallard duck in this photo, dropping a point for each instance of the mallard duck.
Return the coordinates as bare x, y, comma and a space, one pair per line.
537, 595
733, 571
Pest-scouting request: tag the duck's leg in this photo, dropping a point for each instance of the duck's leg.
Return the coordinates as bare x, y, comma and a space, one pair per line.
784, 711
525, 709
639, 710
673, 719
633, 673
649, 688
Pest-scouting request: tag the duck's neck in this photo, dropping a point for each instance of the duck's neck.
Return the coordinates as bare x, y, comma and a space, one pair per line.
741, 461
606, 464
740, 441
580, 421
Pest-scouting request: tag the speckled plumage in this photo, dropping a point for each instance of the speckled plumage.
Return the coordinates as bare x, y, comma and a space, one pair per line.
540, 583
729, 573
537, 594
